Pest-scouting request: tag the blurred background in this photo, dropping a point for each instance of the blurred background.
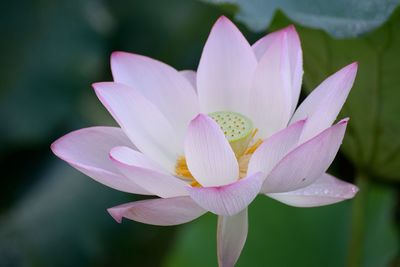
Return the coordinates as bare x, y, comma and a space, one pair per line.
51, 52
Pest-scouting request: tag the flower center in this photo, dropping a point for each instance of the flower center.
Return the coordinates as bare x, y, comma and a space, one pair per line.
239, 132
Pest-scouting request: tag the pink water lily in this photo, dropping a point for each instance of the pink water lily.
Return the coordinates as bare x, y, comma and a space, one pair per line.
212, 140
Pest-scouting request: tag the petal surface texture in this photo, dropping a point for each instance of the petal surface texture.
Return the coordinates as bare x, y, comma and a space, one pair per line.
270, 95
160, 84
325, 190
208, 154
228, 200
160, 211
146, 173
275, 148
307, 162
87, 150
142, 122
324, 103
295, 56
225, 70
231, 237
190, 75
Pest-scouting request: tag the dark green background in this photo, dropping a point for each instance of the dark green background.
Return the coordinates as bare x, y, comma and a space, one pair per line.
51, 215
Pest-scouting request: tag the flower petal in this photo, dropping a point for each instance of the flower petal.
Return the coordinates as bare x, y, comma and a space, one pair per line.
209, 156
146, 173
325, 190
143, 123
225, 70
228, 200
324, 103
231, 237
295, 57
305, 164
190, 75
87, 150
275, 148
161, 84
160, 211
270, 94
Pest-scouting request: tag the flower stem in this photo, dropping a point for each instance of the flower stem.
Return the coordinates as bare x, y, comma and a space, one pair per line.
354, 257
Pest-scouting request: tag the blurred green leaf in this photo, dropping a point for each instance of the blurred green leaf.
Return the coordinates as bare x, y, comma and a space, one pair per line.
341, 18
63, 222
280, 235
372, 141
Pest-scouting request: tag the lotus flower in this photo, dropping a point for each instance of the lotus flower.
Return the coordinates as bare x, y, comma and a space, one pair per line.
212, 140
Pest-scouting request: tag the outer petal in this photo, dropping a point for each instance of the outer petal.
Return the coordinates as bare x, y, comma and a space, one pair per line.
231, 237
324, 191
275, 148
87, 150
295, 57
323, 105
226, 69
229, 199
161, 84
144, 124
270, 95
208, 154
160, 211
305, 164
147, 173
190, 75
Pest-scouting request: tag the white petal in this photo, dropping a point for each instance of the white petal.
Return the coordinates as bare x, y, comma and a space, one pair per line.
161, 84
228, 200
190, 75
161, 211
306, 163
324, 103
87, 150
225, 70
325, 190
231, 237
209, 156
143, 123
275, 148
146, 173
270, 96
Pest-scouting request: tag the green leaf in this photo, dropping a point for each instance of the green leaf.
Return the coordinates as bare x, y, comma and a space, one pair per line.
280, 235
372, 141
341, 18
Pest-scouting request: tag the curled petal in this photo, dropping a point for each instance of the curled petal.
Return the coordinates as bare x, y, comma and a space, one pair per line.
208, 154
306, 163
325, 190
146, 173
87, 150
228, 200
231, 237
160, 211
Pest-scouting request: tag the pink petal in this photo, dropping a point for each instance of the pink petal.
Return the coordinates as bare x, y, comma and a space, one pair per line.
228, 200
146, 173
190, 75
270, 95
323, 105
225, 70
87, 150
305, 164
160, 211
295, 57
143, 123
161, 84
275, 148
231, 237
208, 154
324, 191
